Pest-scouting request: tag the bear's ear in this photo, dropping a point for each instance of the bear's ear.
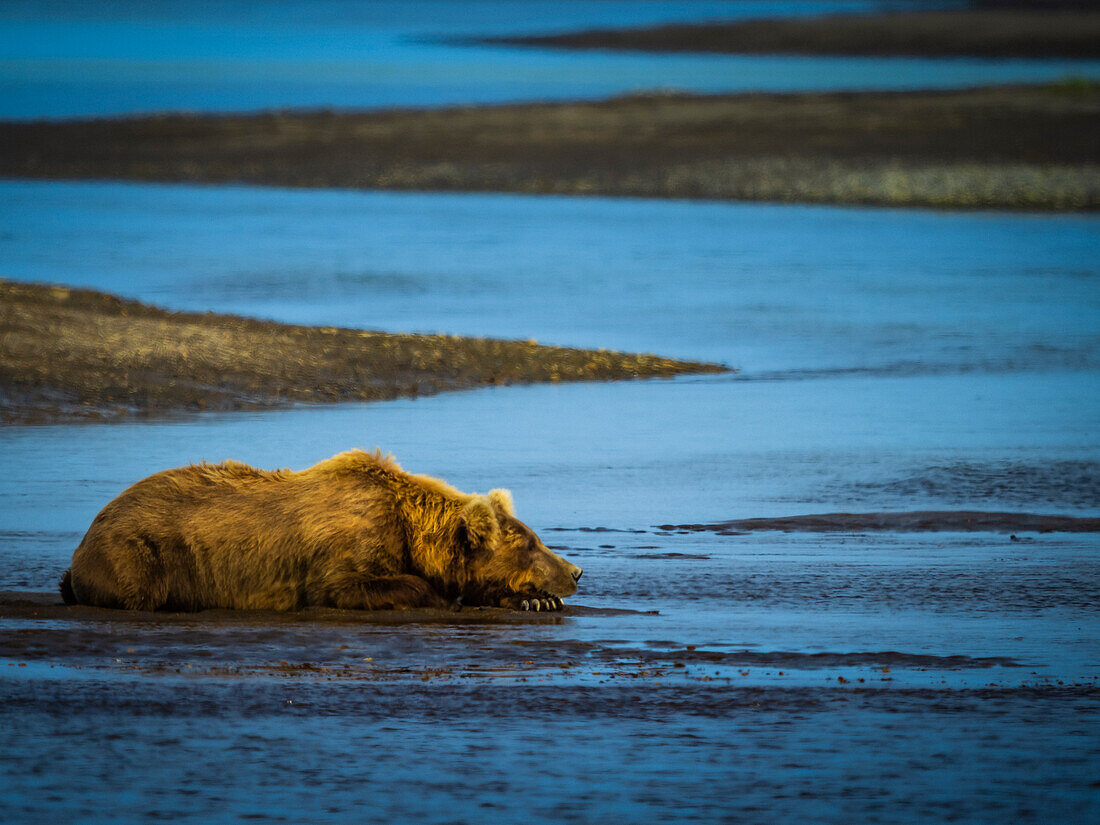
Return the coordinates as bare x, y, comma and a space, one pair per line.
480, 522
502, 502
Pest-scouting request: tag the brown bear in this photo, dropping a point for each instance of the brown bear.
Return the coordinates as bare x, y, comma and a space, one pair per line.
354, 531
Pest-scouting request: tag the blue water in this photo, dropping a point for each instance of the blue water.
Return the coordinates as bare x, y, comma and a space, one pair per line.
69, 59
776, 291
886, 359
890, 360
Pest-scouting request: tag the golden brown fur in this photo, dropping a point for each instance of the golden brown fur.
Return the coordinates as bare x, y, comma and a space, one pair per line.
354, 531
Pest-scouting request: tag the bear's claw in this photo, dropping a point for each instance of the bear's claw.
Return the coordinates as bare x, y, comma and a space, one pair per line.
538, 605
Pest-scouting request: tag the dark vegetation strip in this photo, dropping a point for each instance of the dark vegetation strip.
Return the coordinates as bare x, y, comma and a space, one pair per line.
1034, 32
72, 354
1029, 147
911, 522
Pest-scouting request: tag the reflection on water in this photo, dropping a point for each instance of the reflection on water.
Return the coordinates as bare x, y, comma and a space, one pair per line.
72, 58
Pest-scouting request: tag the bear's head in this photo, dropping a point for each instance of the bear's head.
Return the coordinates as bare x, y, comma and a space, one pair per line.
507, 564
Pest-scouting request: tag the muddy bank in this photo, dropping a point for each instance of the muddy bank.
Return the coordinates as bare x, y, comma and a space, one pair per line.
390, 645
1033, 32
1021, 147
48, 605
913, 522
71, 354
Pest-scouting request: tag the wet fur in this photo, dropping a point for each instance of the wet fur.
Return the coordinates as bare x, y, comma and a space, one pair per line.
354, 531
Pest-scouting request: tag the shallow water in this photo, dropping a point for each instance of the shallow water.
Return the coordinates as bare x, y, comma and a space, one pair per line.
778, 291
66, 59
891, 360
447, 753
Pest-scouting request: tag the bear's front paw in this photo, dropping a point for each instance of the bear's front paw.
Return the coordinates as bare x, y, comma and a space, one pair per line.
540, 603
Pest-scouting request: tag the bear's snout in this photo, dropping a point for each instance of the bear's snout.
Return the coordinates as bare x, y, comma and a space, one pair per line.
561, 575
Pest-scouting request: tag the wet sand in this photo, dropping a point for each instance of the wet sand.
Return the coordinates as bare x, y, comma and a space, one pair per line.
782, 679
1035, 32
72, 354
964, 521
1017, 147
38, 627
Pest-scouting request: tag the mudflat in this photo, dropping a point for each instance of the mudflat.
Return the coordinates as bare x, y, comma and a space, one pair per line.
931, 521
75, 354
1012, 147
885, 677
1036, 31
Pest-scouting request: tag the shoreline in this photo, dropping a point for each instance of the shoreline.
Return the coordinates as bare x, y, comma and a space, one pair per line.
1010, 147
69, 355
991, 33
912, 521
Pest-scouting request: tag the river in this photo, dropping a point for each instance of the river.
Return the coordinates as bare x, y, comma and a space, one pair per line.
75, 59
885, 360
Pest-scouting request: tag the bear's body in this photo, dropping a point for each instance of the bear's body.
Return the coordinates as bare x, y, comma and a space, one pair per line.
355, 531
